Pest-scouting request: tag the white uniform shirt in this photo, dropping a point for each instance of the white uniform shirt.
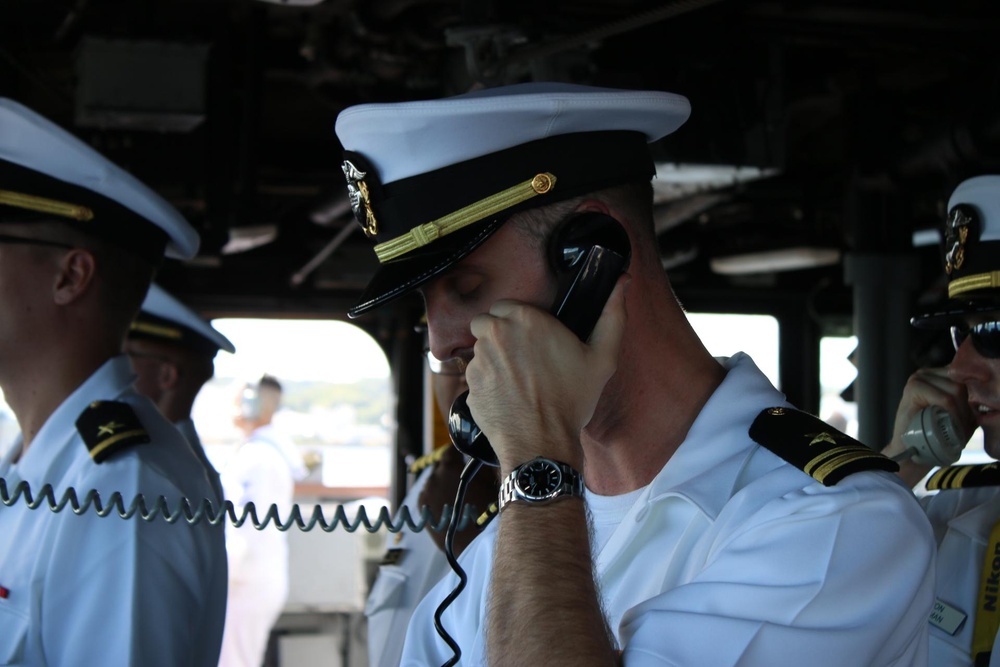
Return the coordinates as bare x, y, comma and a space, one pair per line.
260, 472
87, 590
186, 427
733, 557
401, 585
962, 521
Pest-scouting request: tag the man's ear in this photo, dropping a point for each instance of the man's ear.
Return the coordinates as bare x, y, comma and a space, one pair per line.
169, 374
77, 272
593, 206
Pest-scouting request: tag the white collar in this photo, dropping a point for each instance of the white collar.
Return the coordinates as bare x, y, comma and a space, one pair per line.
717, 448
56, 435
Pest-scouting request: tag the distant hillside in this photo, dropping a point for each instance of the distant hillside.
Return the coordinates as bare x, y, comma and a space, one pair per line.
369, 397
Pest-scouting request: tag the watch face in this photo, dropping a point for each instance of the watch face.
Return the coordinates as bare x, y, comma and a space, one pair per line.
539, 479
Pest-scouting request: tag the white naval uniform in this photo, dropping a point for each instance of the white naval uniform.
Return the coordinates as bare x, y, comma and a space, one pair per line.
401, 585
962, 521
186, 427
731, 556
87, 590
262, 472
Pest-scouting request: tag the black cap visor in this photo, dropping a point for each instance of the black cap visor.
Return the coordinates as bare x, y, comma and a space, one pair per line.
956, 311
400, 276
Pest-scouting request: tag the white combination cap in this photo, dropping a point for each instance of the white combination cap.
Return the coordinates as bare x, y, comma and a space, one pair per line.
430, 181
971, 253
165, 319
46, 173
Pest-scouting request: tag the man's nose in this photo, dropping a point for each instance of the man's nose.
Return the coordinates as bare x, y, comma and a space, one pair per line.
967, 364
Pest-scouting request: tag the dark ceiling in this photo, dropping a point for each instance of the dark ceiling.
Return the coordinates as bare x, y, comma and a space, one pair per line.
868, 112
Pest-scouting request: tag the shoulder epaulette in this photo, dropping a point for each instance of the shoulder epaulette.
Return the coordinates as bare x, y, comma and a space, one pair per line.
109, 426
428, 459
488, 515
965, 477
812, 445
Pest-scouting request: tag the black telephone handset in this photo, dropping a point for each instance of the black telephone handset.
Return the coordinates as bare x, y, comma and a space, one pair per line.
589, 253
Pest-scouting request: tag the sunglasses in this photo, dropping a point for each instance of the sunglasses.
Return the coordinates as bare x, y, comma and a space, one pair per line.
454, 366
985, 338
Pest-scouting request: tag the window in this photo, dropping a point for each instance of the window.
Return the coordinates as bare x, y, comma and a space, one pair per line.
836, 373
726, 334
335, 404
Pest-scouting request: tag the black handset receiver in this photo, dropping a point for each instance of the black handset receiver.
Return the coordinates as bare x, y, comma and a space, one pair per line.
588, 252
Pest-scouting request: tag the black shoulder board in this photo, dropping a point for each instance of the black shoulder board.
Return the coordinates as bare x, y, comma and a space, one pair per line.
812, 445
965, 477
108, 426
393, 556
488, 515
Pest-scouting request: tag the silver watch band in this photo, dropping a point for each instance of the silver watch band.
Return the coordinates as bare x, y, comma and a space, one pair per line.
570, 485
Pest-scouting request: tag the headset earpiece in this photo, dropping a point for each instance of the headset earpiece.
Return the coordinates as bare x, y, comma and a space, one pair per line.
250, 402
573, 239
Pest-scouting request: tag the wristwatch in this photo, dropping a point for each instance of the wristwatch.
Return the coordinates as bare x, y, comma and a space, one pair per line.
540, 481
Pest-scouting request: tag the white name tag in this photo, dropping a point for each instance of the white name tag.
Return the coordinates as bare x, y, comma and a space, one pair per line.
947, 618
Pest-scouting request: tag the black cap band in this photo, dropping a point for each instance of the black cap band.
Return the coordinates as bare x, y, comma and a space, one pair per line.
107, 220
147, 326
582, 162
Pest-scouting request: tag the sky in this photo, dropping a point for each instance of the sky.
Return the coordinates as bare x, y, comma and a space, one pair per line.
342, 353
298, 350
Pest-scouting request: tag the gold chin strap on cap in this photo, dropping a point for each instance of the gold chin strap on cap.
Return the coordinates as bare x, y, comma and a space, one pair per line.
43, 205
156, 330
423, 234
988, 280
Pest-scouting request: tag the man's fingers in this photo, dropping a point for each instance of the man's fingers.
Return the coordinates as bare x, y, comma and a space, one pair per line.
610, 327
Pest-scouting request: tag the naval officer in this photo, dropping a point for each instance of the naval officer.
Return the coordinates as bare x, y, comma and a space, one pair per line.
80, 240
964, 506
172, 351
659, 506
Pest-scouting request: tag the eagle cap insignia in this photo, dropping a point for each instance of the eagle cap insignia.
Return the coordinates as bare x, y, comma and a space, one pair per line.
357, 192
961, 223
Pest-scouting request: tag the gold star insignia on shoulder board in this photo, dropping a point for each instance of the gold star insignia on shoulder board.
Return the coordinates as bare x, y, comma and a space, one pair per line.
108, 427
813, 446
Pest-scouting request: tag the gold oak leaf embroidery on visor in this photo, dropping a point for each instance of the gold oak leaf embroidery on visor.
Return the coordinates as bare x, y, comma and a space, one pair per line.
988, 280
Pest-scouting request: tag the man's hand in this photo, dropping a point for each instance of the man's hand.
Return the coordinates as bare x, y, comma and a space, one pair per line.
926, 387
533, 385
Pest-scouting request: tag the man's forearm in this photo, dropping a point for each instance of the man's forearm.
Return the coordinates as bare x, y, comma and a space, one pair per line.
544, 608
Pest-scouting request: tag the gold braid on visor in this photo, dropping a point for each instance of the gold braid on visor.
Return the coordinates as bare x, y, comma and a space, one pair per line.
43, 205
156, 330
423, 234
988, 280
